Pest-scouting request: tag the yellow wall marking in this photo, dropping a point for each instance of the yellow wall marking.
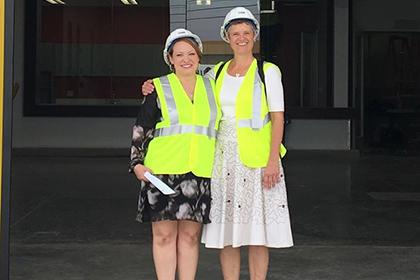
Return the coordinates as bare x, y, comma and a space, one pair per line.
1, 97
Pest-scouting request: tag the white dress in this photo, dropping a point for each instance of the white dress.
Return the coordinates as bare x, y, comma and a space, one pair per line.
242, 211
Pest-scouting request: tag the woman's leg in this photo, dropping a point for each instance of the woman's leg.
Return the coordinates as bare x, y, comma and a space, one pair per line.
187, 249
258, 258
164, 249
230, 260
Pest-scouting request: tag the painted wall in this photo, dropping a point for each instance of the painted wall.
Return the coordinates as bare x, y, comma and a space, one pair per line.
318, 135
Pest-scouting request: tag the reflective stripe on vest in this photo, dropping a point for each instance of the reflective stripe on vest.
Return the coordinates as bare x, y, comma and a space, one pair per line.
170, 100
175, 128
256, 122
250, 123
184, 129
211, 97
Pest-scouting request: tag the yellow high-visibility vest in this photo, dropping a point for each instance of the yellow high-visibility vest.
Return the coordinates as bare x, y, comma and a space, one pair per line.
184, 139
253, 124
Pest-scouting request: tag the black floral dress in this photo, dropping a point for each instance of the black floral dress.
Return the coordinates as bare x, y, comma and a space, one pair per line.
191, 200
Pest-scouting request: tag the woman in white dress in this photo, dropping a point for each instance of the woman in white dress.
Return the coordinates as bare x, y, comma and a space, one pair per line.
249, 200
249, 204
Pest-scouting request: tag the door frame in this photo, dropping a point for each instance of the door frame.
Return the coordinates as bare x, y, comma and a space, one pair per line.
6, 96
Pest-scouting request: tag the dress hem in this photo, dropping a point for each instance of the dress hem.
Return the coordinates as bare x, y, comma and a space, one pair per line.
172, 219
243, 245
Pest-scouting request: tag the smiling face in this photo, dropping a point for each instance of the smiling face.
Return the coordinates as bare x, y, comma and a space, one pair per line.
241, 37
184, 57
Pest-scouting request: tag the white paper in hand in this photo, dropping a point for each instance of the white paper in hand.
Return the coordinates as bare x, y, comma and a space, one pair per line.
164, 188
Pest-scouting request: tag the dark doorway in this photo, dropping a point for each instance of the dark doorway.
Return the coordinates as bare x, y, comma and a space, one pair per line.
295, 36
391, 92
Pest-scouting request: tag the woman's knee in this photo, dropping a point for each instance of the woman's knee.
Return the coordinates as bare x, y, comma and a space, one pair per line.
163, 237
257, 247
189, 236
257, 250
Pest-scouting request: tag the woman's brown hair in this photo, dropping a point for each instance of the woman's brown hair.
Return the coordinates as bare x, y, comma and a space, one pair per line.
190, 42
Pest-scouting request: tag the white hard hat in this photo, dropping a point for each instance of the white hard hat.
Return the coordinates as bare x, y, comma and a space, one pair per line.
237, 14
178, 34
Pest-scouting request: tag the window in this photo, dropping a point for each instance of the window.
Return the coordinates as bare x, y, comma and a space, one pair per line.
88, 57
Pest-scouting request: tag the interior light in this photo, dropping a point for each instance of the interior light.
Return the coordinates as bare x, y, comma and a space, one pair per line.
200, 2
129, 2
56, 2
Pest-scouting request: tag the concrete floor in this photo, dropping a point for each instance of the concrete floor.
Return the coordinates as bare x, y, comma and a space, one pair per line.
353, 218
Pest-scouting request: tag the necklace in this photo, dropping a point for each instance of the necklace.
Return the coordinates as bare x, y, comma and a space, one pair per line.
239, 68
238, 71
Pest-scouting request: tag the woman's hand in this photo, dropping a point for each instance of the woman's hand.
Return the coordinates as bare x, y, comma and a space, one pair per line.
271, 175
139, 170
147, 87
271, 172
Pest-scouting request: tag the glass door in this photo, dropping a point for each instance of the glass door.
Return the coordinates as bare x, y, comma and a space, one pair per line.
294, 36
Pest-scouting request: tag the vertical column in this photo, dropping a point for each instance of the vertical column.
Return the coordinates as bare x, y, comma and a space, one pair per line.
6, 60
177, 14
341, 53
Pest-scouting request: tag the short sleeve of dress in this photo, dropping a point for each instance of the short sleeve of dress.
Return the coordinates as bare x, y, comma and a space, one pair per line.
147, 118
275, 95
149, 113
